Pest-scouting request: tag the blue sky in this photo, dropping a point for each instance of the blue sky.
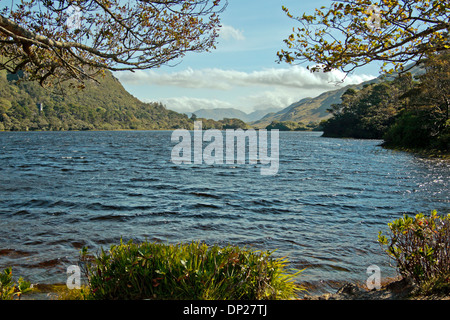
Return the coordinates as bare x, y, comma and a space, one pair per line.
242, 71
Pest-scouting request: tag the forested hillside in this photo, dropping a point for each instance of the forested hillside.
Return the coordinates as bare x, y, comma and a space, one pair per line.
100, 106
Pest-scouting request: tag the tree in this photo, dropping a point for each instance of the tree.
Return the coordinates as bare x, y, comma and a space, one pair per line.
57, 40
369, 112
434, 87
352, 33
425, 122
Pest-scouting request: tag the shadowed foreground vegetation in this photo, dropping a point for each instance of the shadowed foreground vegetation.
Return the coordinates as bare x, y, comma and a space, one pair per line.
419, 246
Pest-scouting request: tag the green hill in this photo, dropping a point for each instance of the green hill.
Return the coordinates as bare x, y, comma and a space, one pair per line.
100, 106
314, 110
307, 110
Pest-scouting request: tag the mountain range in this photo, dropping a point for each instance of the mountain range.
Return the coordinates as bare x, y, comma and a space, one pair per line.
307, 110
222, 113
102, 105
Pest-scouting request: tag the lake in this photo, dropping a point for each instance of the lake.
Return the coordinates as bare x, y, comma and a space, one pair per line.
60, 191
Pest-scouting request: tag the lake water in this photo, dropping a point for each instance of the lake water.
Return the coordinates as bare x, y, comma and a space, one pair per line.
60, 191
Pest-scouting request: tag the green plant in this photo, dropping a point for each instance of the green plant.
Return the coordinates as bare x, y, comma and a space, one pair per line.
421, 247
63, 293
9, 289
187, 271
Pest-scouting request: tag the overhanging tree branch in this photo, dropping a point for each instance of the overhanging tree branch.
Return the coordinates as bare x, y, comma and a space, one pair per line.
107, 34
345, 35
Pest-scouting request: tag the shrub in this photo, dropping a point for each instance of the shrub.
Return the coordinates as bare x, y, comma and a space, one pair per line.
420, 246
9, 289
420, 129
187, 271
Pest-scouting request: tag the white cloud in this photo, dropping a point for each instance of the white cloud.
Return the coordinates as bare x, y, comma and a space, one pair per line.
229, 33
189, 104
279, 98
220, 79
247, 91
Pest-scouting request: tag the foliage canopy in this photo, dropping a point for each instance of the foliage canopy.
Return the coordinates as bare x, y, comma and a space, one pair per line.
352, 33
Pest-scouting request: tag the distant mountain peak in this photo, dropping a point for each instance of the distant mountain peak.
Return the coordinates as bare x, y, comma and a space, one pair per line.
222, 113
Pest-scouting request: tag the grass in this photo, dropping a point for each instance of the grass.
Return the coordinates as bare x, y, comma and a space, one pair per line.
187, 271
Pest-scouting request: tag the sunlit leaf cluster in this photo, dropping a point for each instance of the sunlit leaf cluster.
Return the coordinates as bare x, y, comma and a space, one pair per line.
10, 289
420, 247
352, 33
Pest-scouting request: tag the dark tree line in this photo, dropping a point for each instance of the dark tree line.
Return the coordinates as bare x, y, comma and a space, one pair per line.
407, 112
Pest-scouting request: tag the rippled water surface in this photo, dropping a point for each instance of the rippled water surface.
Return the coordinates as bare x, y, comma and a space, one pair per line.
60, 191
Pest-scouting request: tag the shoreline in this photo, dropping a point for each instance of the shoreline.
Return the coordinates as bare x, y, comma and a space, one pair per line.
427, 153
395, 289
391, 289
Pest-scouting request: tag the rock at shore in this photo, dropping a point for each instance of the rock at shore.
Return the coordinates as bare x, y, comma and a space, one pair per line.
396, 290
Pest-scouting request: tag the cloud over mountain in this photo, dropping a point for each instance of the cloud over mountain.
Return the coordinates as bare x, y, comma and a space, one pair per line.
220, 79
267, 88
